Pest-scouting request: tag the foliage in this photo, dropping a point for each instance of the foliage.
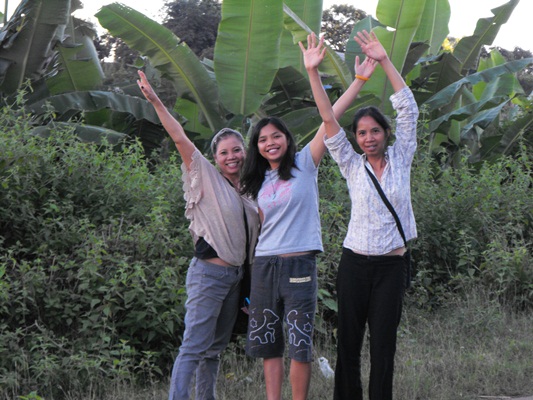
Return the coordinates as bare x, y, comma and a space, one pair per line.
47, 45
526, 75
257, 70
93, 242
196, 23
93, 253
94, 249
337, 24
462, 214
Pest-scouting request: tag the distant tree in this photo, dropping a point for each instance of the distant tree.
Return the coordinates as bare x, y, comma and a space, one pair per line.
195, 22
114, 48
337, 24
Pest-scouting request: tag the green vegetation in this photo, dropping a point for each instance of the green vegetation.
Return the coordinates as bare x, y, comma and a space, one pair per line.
94, 246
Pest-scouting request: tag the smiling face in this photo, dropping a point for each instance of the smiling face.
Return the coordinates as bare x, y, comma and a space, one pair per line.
229, 156
371, 137
272, 145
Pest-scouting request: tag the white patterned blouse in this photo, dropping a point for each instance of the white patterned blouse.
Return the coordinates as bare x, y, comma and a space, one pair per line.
372, 229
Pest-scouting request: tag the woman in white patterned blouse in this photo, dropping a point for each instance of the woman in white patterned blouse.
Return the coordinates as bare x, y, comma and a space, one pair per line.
371, 277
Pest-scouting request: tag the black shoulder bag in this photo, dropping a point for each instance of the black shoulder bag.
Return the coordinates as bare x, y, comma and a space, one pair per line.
407, 254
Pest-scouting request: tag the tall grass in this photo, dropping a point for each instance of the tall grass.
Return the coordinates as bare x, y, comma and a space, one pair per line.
471, 348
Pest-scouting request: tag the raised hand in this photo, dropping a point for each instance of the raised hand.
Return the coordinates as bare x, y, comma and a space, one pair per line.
146, 88
315, 52
366, 69
370, 45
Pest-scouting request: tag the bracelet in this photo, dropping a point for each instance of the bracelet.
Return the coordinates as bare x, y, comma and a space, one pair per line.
363, 78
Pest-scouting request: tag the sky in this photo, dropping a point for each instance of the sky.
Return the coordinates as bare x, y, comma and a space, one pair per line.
518, 31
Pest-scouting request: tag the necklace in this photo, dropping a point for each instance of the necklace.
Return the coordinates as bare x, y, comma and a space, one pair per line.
272, 184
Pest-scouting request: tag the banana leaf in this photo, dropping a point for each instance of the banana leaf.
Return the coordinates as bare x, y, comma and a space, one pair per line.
304, 123
468, 49
399, 22
78, 66
446, 95
94, 101
28, 40
433, 28
506, 84
309, 12
86, 133
521, 127
74, 73
352, 48
289, 92
169, 55
247, 52
332, 65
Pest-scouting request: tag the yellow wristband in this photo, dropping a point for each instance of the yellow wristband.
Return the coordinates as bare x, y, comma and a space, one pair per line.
363, 78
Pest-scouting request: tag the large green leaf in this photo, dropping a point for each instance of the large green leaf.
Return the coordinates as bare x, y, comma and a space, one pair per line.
506, 84
399, 20
433, 27
288, 93
86, 133
332, 65
310, 12
74, 73
171, 57
189, 110
247, 51
436, 74
468, 49
304, 123
78, 65
352, 48
445, 96
94, 101
28, 39
521, 127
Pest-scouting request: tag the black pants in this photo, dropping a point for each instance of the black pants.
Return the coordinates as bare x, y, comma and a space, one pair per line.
370, 290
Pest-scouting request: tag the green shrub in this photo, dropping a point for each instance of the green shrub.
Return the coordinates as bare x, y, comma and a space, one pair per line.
94, 249
93, 253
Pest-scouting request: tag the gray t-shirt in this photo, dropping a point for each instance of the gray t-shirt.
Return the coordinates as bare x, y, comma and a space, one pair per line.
290, 208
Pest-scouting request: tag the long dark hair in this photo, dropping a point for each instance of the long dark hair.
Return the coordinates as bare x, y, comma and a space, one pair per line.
255, 165
378, 116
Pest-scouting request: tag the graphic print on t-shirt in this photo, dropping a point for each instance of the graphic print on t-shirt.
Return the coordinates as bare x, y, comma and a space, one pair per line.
275, 194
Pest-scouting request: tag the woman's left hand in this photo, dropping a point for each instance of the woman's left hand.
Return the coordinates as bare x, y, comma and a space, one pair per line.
366, 68
315, 52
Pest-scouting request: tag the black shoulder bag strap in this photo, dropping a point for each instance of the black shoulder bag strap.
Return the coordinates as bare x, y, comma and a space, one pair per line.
398, 224
388, 204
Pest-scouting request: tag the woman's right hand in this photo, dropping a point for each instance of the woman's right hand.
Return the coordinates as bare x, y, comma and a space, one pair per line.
146, 88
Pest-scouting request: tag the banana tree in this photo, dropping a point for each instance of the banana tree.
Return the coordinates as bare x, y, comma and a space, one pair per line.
44, 44
41, 42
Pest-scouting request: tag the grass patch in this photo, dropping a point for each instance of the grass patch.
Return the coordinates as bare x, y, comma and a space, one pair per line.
472, 347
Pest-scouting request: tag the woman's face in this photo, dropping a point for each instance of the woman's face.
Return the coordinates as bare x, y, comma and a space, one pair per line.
272, 145
371, 137
229, 156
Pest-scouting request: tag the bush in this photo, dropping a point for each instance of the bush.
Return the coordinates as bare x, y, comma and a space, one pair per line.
460, 213
93, 252
94, 249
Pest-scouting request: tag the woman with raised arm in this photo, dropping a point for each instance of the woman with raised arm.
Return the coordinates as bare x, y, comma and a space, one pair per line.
222, 223
284, 276
372, 271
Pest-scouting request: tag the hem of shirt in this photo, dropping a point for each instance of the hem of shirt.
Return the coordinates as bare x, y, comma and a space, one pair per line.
277, 253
